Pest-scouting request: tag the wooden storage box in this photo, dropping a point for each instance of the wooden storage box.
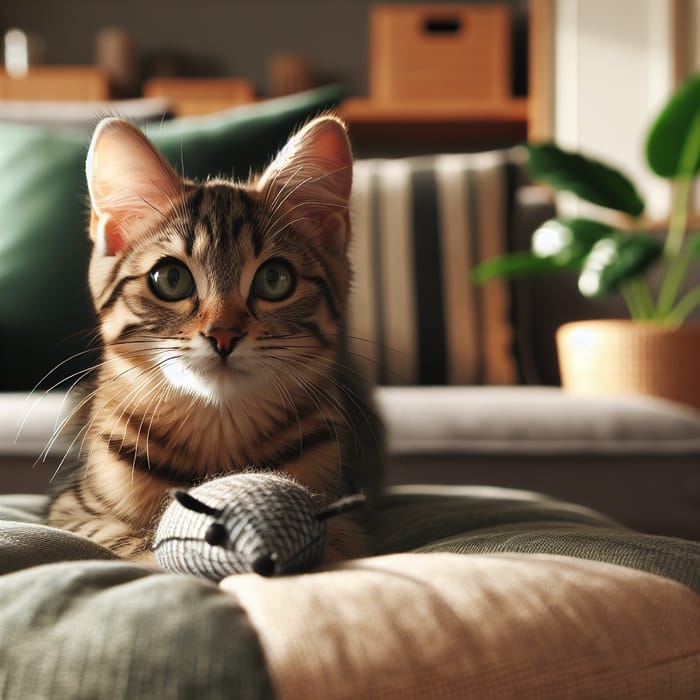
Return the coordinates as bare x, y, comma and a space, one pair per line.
456, 52
194, 96
56, 83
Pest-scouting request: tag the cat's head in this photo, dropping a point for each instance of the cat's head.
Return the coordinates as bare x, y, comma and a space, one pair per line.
213, 286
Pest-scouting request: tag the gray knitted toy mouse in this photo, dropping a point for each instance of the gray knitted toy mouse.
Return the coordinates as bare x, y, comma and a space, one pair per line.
260, 522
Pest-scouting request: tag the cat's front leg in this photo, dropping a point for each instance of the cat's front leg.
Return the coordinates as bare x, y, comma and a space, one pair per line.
346, 539
69, 511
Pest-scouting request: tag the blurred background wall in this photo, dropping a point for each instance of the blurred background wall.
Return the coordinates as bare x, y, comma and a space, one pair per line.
225, 37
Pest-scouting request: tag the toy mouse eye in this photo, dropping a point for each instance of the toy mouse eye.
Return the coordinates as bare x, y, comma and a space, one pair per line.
215, 535
265, 565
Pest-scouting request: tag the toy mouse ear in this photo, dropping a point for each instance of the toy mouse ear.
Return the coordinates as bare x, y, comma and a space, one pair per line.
191, 503
342, 505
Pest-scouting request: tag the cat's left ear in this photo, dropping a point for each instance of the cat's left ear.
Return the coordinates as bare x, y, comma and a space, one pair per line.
310, 182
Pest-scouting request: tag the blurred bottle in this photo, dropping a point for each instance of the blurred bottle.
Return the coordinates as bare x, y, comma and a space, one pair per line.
116, 53
289, 73
22, 50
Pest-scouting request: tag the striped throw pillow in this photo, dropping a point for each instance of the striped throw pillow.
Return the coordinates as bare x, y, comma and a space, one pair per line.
419, 227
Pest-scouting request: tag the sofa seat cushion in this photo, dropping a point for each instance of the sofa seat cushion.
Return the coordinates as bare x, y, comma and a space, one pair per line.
635, 458
533, 420
512, 622
428, 421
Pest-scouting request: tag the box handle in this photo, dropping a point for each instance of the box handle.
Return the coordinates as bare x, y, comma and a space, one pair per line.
442, 25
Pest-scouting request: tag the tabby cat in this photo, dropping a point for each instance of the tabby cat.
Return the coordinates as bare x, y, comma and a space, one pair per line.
220, 307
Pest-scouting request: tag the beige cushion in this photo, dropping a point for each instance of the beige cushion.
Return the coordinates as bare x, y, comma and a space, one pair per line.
483, 626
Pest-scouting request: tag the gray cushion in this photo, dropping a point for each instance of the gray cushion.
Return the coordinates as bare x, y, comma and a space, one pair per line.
112, 630
72, 626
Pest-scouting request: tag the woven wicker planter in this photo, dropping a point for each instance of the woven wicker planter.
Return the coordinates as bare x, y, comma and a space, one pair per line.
623, 357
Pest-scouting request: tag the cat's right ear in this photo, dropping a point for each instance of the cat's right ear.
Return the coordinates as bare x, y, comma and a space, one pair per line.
131, 186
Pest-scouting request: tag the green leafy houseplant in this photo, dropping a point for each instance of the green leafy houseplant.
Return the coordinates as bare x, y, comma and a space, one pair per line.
616, 252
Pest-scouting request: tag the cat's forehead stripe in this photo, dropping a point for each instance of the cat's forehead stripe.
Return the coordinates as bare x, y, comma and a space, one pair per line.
223, 212
223, 227
193, 206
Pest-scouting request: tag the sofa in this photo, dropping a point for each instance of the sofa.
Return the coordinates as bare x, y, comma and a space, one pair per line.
530, 543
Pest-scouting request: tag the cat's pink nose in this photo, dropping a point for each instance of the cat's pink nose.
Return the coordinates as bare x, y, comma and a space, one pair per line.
224, 340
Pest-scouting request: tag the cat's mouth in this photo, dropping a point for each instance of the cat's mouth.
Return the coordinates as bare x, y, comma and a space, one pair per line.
210, 378
224, 368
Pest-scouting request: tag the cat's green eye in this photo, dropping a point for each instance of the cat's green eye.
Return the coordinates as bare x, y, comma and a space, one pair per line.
274, 280
170, 280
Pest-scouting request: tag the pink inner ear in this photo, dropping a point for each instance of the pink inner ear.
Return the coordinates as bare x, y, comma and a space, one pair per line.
113, 238
334, 232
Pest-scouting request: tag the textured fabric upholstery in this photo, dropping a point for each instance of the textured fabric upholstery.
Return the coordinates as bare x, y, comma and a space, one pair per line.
446, 627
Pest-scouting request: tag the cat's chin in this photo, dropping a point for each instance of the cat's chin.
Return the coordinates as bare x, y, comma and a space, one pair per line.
214, 385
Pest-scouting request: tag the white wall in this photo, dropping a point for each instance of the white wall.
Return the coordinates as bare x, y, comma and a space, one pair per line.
613, 70
693, 34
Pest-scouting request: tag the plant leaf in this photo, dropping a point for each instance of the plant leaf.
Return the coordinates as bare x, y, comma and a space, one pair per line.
694, 245
568, 240
558, 244
616, 260
590, 179
518, 264
669, 133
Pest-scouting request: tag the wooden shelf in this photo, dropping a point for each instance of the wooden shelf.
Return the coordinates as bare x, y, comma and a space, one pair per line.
435, 124
56, 83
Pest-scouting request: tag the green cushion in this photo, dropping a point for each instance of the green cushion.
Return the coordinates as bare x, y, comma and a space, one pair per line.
45, 312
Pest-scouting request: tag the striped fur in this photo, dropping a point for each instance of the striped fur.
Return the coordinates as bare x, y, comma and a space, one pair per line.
167, 408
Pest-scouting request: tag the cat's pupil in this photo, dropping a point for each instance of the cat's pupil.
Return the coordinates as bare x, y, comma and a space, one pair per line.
171, 281
274, 281
173, 277
272, 276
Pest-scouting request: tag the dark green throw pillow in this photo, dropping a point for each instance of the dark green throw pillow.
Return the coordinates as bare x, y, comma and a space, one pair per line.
45, 312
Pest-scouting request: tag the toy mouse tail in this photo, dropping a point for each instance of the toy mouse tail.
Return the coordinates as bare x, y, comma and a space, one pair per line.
342, 505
